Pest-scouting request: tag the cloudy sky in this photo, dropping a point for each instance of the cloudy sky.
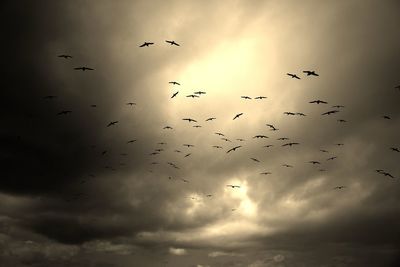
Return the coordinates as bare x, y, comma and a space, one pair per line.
75, 192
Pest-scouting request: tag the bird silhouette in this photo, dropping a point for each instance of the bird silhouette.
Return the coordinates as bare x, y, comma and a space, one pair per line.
172, 43
174, 94
387, 174
168, 128
131, 104
64, 112
188, 145
318, 102
237, 116
197, 126
260, 136
338, 106
240, 139
282, 138
323, 150
200, 93
341, 120
226, 139
272, 127
131, 141
291, 144
331, 158
268, 146
289, 113
112, 123
260, 97
313, 162
233, 186
254, 159
339, 187
187, 155
386, 117
146, 44
330, 112
265, 173
210, 119
83, 68
93, 106
245, 97
220, 134
174, 83
217, 146
189, 120
395, 149
300, 114
339, 144
192, 96
287, 165
310, 72
65, 56
293, 75
233, 149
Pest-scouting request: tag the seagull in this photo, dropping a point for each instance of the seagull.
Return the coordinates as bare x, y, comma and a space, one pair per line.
83, 68
300, 114
168, 128
330, 112
200, 93
188, 145
112, 123
260, 97
291, 144
386, 117
260, 136
287, 166
268, 145
282, 138
338, 106
174, 83
210, 119
395, 149
341, 120
246, 97
313, 162
293, 75
187, 155
220, 134
192, 96
65, 56
197, 126
64, 112
226, 139
272, 127
387, 174
189, 120
217, 146
254, 159
265, 173
131, 141
240, 139
131, 104
174, 94
237, 116
339, 144
318, 102
162, 143
288, 113
233, 149
323, 150
233, 186
172, 43
339, 187
310, 72
146, 44
331, 158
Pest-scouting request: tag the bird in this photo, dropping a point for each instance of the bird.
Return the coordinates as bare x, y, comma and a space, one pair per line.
395, 149
192, 96
310, 72
341, 120
233, 186
339, 187
93, 106
313, 162
83, 68
293, 75
220, 134
386, 117
174, 83
112, 123
265, 173
226, 139
387, 174
282, 138
217, 146
330, 112
146, 44
161, 143
177, 151
291, 144
210, 119
318, 102
64, 112
188, 145
339, 144
172, 43
197, 126
104, 152
237, 116
245, 97
288, 113
65, 56
287, 166
260, 97
208, 195
233, 149
240, 139
187, 155
323, 150
200, 93
131, 141
260, 136
168, 128
268, 145
338, 106
154, 153
331, 158
189, 120
131, 104
50, 97
174, 94
272, 127
300, 114
184, 180
254, 159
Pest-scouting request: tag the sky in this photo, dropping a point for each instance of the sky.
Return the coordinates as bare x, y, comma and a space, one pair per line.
76, 190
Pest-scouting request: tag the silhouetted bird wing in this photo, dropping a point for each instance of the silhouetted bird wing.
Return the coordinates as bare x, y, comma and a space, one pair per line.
238, 115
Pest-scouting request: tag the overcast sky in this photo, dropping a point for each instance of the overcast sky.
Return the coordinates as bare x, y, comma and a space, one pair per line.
75, 192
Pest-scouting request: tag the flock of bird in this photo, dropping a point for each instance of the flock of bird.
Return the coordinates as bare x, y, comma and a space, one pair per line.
332, 110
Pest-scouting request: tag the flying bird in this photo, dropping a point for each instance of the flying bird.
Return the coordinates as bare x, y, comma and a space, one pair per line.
131, 141
93, 106
188, 145
323, 150
146, 44
233, 149
339, 187
197, 126
112, 123
395, 149
237, 116
265, 173
65, 56
330, 112
64, 112
300, 114
174, 83
131, 104
210, 119
268, 145
288, 113
339, 144
318, 102
272, 127
291, 144
282, 138
338, 106
233, 186
187, 155
293, 75
246, 97
313, 162
341, 120
174, 94
83, 68
220, 134
189, 120
310, 72
192, 96
287, 166
386, 117
240, 139
217, 146
200, 93
260, 97
260, 136
331, 158
387, 174
172, 43
226, 139
254, 159
168, 128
